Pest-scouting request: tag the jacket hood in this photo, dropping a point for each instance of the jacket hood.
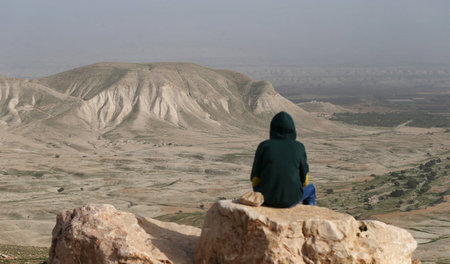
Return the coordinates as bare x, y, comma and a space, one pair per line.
282, 127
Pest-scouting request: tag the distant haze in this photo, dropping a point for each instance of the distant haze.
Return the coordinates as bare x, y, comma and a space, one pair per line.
48, 36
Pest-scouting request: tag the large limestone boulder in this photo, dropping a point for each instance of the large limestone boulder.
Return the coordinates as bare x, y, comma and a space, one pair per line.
236, 233
101, 234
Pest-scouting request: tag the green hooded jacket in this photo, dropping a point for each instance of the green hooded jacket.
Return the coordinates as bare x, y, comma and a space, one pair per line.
280, 164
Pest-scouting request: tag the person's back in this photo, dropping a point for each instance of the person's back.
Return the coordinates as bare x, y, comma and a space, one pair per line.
280, 167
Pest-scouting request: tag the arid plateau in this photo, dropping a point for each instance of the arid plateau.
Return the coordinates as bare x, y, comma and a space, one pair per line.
166, 140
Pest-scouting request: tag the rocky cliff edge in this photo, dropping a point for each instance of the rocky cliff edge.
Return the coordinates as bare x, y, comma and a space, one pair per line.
232, 233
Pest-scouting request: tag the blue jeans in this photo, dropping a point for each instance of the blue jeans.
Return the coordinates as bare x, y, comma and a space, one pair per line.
309, 195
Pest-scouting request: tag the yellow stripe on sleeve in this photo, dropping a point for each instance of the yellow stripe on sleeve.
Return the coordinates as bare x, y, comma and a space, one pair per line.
255, 181
306, 180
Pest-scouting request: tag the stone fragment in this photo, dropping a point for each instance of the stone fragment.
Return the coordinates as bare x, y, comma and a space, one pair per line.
252, 198
236, 233
101, 234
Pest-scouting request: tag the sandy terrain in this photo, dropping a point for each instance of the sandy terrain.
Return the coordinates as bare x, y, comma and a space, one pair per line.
179, 172
161, 139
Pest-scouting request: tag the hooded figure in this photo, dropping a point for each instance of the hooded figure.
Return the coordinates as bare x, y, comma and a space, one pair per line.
280, 169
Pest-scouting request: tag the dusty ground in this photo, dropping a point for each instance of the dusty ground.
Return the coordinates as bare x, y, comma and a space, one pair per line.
170, 174
428, 226
13, 254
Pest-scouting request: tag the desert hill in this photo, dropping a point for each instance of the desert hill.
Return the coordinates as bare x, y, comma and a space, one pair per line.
107, 96
324, 108
22, 101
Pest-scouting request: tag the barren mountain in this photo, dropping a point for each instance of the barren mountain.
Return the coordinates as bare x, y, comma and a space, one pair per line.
182, 95
141, 97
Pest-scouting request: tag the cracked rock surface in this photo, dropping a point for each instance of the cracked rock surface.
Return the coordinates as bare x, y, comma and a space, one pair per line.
236, 233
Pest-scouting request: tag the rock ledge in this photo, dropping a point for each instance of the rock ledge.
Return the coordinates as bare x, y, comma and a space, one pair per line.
101, 234
232, 233
236, 233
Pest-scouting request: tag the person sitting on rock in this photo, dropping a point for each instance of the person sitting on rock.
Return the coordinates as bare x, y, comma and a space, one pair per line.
280, 168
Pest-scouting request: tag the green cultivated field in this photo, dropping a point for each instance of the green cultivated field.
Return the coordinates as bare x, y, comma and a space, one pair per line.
391, 119
403, 190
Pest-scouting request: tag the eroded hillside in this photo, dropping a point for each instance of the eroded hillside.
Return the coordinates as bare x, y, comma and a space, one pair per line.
166, 140
182, 95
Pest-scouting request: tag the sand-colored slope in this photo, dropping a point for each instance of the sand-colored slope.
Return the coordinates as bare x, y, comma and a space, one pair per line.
23, 102
323, 108
182, 95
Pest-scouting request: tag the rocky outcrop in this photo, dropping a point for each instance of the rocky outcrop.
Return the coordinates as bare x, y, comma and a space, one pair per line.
232, 233
101, 234
236, 233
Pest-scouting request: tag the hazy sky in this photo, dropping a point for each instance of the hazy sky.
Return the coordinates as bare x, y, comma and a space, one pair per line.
44, 35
